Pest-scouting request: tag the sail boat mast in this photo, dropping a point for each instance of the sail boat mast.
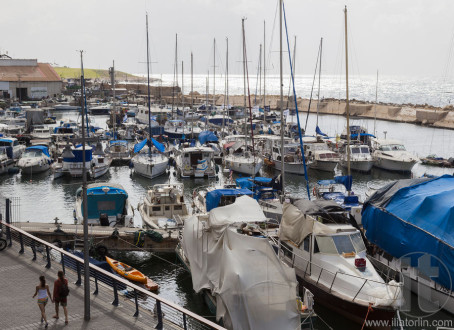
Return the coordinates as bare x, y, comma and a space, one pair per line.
319, 77
375, 107
214, 72
148, 92
347, 104
281, 77
226, 100
264, 73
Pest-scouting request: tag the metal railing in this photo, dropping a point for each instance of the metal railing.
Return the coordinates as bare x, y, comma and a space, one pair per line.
152, 308
336, 275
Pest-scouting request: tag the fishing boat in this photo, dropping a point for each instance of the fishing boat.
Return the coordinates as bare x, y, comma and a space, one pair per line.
358, 156
164, 207
14, 149
118, 151
391, 155
409, 222
195, 162
35, 159
126, 271
107, 204
330, 260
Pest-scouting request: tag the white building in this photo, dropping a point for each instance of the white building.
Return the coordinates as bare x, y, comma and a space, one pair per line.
27, 79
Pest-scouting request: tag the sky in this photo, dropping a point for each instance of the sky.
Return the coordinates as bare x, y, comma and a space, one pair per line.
402, 38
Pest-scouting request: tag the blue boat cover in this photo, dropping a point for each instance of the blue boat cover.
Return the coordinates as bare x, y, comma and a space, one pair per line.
207, 136
78, 155
43, 149
6, 140
354, 136
248, 183
111, 203
158, 145
319, 132
214, 197
346, 180
415, 216
139, 146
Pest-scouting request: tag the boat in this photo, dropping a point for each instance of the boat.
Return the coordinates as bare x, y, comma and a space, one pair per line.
195, 162
35, 159
103, 109
108, 205
319, 155
391, 155
14, 149
233, 264
207, 198
118, 151
164, 207
5, 162
71, 163
409, 222
242, 159
330, 260
40, 132
149, 163
434, 160
126, 271
360, 157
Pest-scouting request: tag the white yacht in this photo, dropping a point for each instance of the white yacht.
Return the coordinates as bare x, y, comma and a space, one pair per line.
119, 151
197, 162
360, 157
330, 260
391, 155
35, 159
293, 162
40, 132
319, 156
164, 207
5, 161
149, 163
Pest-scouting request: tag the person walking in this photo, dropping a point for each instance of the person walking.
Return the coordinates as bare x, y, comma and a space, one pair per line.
42, 290
61, 292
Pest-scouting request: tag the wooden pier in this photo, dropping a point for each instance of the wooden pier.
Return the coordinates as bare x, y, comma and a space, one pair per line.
100, 237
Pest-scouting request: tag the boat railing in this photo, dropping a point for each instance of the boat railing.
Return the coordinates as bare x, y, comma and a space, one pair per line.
153, 309
328, 278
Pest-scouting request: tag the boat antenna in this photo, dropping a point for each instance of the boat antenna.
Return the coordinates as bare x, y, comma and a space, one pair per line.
281, 83
297, 114
84, 205
347, 104
148, 92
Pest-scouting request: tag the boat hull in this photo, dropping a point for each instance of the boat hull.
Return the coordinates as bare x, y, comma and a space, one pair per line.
150, 171
394, 165
248, 168
326, 166
364, 166
35, 168
293, 168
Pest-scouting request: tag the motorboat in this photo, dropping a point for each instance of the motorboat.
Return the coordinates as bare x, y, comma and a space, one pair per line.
5, 162
35, 159
151, 162
235, 267
319, 156
391, 155
164, 207
361, 159
102, 109
40, 132
330, 260
293, 161
71, 163
196, 162
14, 149
118, 151
242, 159
107, 204
409, 224
207, 198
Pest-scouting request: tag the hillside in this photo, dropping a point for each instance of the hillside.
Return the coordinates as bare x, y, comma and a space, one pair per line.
66, 72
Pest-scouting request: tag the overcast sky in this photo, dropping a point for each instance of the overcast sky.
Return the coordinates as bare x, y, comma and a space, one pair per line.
405, 37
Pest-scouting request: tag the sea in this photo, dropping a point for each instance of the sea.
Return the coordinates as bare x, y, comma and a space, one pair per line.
40, 198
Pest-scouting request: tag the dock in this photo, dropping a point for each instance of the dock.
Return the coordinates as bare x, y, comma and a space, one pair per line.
101, 237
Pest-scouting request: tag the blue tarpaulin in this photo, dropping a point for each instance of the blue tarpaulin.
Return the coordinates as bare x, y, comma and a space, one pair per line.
248, 183
207, 136
139, 146
43, 149
346, 180
319, 132
214, 197
158, 145
354, 136
409, 218
77, 152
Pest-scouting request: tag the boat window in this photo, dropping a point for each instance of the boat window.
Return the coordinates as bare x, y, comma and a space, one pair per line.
177, 207
364, 150
358, 242
156, 208
343, 244
167, 208
287, 249
385, 148
356, 150
306, 243
399, 147
16, 143
326, 244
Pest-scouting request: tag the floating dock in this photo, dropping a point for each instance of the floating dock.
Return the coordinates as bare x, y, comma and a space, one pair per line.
100, 237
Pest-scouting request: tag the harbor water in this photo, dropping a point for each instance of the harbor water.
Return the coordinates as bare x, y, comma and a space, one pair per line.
40, 198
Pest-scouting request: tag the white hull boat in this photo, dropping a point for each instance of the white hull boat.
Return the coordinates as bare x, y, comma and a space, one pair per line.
150, 166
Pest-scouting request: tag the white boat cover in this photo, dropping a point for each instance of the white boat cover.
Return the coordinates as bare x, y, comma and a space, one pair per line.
253, 289
295, 225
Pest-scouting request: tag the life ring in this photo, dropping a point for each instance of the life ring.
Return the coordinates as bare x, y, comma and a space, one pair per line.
313, 191
102, 250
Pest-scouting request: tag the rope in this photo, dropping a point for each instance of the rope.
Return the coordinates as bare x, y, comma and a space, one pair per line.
368, 310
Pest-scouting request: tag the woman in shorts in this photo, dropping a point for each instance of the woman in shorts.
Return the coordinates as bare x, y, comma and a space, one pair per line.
42, 290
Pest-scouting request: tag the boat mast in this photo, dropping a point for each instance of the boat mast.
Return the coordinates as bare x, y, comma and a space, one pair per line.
182, 89
114, 117
264, 72
148, 94
214, 73
260, 75
319, 75
281, 78
347, 104
244, 82
192, 82
226, 84
375, 108
206, 99
85, 205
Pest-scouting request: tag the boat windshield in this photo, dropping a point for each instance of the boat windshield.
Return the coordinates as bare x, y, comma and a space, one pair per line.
393, 147
339, 244
32, 153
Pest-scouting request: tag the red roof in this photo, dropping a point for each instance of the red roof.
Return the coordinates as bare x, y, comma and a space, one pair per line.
40, 72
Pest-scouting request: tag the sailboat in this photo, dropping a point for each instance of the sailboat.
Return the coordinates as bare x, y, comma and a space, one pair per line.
153, 163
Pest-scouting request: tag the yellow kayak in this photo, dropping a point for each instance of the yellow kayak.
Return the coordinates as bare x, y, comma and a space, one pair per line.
127, 271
